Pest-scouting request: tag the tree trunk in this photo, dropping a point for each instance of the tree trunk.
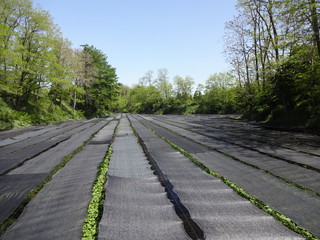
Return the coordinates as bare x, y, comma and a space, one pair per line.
315, 24
74, 101
52, 102
274, 30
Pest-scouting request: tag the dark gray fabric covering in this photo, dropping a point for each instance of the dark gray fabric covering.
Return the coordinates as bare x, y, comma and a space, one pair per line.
220, 212
14, 189
15, 186
283, 153
36, 145
136, 205
59, 209
7, 134
239, 131
26, 135
300, 206
6, 150
46, 161
299, 175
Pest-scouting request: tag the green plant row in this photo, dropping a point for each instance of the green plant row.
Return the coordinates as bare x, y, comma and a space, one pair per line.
95, 208
280, 217
94, 212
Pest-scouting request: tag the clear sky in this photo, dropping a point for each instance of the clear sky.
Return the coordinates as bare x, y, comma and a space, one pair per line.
183, 36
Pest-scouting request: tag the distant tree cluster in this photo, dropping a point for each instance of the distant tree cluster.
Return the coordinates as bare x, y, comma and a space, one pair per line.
273, 47
42, 78
158, 95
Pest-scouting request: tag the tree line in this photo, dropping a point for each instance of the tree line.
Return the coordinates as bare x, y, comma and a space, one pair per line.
159, 95
273, 47
42, 78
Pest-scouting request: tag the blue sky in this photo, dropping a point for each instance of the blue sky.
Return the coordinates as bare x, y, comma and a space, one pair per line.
183, 36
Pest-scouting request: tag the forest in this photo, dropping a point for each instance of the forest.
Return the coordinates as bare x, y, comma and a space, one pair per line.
272, 47
42, 78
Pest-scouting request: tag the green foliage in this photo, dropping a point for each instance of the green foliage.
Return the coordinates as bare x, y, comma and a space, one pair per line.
178, 106
7, 116
94, 211
163, 84
255, 104
144, 99
103, 91
44, 80
291, 94
274, 50
121, 103
218, 96
183, 87
95, 208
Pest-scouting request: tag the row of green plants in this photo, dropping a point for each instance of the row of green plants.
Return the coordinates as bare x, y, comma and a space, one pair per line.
95, 208
90, 228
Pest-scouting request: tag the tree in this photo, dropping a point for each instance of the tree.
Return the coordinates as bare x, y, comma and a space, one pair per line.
183, 87
41, 76
274, 47
144, 99
147, 79
84, 74
315, 24
238, 49
104, 89
61, 72
122, 102
163, 84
